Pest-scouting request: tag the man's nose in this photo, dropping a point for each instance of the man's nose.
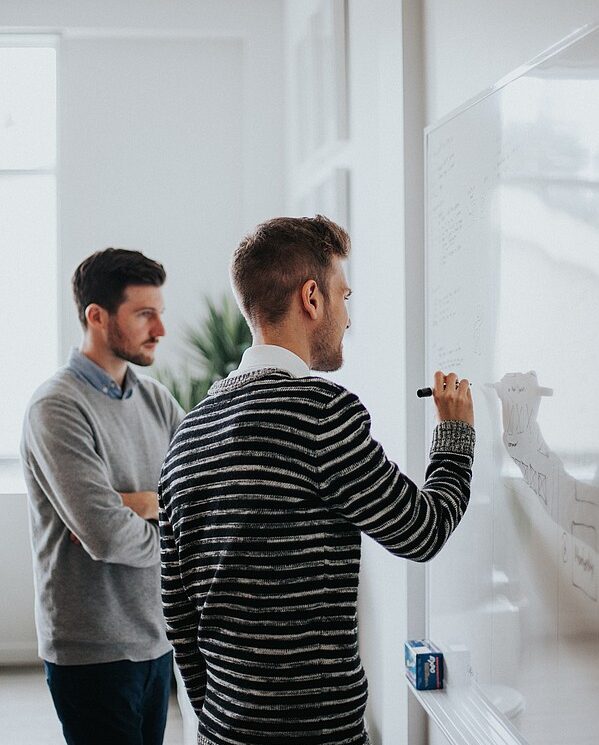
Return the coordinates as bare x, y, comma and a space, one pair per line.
158, 328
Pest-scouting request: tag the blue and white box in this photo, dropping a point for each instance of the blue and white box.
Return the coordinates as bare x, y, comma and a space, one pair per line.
424, 665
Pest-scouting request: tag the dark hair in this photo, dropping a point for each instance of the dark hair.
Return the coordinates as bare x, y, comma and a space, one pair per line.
104, 276
278, 257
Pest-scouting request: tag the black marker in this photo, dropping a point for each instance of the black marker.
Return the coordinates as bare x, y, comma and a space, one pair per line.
424, 392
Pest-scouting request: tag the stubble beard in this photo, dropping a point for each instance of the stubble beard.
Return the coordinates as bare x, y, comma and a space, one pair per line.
118, 346
325, 354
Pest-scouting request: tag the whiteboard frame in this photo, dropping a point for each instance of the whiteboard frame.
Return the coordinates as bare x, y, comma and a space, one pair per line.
567, 41
461, 710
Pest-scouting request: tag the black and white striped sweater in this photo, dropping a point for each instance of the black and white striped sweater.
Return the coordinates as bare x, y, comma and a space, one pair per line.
264, 492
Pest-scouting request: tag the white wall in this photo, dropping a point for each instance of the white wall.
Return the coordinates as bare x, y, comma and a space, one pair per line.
152, 158
171, 142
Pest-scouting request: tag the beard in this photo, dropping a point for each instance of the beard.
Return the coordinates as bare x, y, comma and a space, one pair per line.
326, 352
117, 341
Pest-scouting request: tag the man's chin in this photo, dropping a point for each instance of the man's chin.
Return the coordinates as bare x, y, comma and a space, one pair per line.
328, 365
142, 359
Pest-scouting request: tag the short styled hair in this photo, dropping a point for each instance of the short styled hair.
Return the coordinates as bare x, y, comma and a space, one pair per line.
273, 261
104, 276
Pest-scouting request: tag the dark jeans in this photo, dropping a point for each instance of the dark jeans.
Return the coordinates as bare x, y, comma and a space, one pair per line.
114, 703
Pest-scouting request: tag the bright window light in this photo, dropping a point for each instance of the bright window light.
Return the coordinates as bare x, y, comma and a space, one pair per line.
28, 229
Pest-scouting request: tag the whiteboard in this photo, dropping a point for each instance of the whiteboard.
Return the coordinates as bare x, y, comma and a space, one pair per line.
512, 268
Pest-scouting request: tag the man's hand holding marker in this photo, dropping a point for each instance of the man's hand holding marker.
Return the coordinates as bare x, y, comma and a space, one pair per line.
452, 397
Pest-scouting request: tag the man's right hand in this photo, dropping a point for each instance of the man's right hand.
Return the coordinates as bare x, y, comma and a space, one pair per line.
143, 503
453, 398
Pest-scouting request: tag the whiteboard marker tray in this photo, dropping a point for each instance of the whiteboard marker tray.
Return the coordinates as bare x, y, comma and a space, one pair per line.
467, 717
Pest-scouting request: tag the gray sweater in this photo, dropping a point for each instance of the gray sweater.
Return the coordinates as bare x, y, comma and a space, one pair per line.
99, 601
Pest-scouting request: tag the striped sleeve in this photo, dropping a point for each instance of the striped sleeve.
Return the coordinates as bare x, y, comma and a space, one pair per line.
181, 616
357, 480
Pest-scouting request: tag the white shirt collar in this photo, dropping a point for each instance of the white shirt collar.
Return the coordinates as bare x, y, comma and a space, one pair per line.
269, 355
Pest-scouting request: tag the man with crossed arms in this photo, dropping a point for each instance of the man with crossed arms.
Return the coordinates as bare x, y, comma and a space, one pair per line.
94, 438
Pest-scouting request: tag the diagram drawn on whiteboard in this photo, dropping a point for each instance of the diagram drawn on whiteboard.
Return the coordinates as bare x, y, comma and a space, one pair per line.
571, 503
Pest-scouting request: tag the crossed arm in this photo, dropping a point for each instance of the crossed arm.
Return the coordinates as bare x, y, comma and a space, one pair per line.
143, 503
64, 462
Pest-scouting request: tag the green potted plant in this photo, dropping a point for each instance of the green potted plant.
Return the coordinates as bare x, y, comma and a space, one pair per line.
216, 345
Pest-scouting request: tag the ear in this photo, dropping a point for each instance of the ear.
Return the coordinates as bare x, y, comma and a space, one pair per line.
96, 316
311, 299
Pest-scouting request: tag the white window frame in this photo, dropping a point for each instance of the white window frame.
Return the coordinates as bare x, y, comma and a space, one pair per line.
11, 478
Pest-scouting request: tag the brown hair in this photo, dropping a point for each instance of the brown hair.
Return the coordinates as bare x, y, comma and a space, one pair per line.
105, 275
278, 257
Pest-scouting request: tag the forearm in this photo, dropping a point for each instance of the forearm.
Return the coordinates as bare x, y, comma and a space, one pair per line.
144, 504
123, 539
358, 481
409, 522
440, 504
95, 514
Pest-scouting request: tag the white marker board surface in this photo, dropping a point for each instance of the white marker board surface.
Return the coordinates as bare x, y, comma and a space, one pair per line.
512, 203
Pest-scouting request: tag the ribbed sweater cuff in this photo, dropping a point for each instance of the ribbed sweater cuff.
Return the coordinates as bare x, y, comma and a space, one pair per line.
453, 437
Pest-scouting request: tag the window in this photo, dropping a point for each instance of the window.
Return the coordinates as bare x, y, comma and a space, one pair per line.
28, 227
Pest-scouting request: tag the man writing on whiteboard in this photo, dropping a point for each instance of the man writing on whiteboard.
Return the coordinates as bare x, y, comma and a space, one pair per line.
264, 493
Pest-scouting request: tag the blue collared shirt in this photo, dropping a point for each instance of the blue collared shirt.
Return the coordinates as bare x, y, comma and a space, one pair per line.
84, 369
